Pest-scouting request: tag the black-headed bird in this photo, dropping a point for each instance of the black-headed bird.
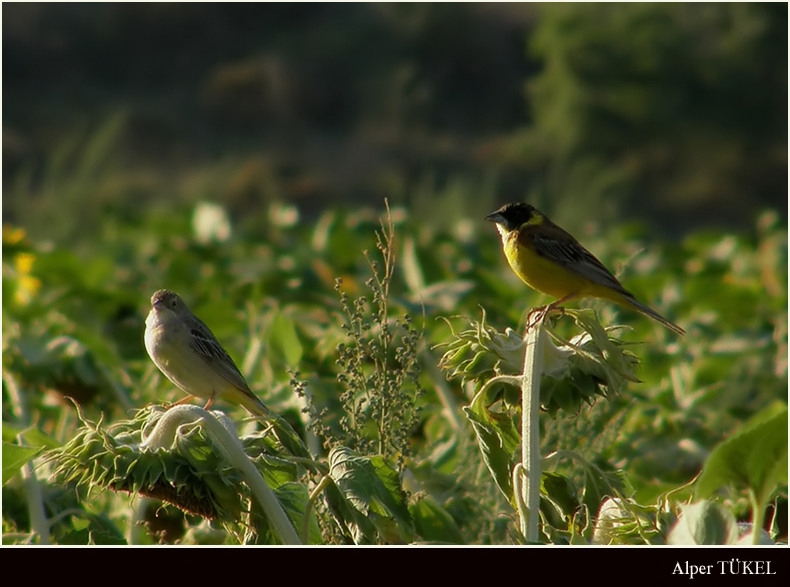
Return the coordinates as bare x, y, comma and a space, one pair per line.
551, 261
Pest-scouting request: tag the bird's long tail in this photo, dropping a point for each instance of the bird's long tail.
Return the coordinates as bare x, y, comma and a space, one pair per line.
282, 429
650, 312
256, 407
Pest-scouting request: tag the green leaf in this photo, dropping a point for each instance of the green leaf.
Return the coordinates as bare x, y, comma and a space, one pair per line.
11, 431
90, 529
561, 491
754, 458
15, 457
36, 437
107, 537
498, 439
599, 483
75, 538
434, 523
293, 497
371, 487
284, 339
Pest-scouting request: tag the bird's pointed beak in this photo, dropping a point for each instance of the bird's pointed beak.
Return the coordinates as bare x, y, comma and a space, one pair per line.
495, 217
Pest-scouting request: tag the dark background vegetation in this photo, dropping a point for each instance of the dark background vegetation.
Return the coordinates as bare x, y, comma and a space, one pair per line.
675, 114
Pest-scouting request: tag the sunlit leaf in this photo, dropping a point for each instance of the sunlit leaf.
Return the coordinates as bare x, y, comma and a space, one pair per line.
753, 458
371, 486
15, 457
285, 340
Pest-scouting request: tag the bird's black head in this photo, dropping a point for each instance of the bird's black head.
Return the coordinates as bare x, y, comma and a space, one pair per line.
513, 215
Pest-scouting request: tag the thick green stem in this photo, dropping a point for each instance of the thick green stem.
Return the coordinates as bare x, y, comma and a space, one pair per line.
35, 500
758, 516
232, 449
530, 438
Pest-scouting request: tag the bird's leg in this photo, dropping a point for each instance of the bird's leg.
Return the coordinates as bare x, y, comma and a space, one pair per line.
539, 314
182, 401
535, 317
209, 402
562, 300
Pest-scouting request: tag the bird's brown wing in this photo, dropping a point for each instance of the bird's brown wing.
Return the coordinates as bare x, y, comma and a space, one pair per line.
553, 243
212, 352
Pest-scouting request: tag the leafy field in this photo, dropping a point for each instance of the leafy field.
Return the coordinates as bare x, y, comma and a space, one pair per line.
377, 334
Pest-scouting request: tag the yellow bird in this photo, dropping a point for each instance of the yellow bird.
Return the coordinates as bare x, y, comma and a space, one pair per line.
551, 261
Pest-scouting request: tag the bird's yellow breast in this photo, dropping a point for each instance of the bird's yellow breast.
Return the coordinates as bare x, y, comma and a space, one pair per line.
539, 273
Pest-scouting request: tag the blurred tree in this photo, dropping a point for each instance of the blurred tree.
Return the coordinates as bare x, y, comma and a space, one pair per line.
679, 110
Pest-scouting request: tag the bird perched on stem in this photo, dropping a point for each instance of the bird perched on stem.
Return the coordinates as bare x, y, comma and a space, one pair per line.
190, 356
551, 261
